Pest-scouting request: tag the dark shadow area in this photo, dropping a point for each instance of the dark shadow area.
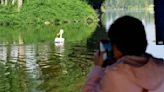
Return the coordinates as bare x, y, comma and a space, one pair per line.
99, 33
96, 4
96, 36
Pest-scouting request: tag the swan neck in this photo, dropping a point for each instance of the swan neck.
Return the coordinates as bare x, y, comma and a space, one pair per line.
61, 35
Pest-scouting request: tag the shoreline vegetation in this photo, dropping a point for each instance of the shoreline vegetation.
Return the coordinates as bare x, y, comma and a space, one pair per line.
128, 5
38, 17
58, 12
149, 9
48, 12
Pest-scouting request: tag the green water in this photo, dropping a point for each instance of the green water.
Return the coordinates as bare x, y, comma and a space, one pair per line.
30, 61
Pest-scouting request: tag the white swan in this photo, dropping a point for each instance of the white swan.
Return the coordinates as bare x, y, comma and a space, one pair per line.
59, 40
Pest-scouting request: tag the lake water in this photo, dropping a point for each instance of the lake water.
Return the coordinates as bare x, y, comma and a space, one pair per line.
30, 62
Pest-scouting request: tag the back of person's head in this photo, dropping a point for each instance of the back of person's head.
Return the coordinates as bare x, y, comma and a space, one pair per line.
128, 34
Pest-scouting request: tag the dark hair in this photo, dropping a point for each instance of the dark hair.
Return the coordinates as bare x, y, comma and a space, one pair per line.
128, 34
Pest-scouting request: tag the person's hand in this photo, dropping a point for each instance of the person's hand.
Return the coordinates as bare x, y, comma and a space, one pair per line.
98, 58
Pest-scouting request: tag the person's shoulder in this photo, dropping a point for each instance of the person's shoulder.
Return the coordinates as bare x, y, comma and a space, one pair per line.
118, 67
158, 61
153, 57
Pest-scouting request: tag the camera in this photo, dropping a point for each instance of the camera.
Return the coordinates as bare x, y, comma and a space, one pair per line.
105, 47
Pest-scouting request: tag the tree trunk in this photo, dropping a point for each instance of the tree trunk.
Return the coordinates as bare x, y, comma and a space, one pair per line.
2, 2
20, 3
13, 2
6, 2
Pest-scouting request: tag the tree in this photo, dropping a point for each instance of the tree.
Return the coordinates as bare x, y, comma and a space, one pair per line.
2, 2
20, 3
13, 2
6, 1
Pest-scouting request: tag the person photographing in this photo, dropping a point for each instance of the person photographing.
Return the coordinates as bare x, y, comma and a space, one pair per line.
133, 70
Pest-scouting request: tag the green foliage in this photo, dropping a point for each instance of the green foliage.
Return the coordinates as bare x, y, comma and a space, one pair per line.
52, 11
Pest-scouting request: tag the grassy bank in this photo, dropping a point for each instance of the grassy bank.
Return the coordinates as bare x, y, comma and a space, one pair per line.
47, 12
